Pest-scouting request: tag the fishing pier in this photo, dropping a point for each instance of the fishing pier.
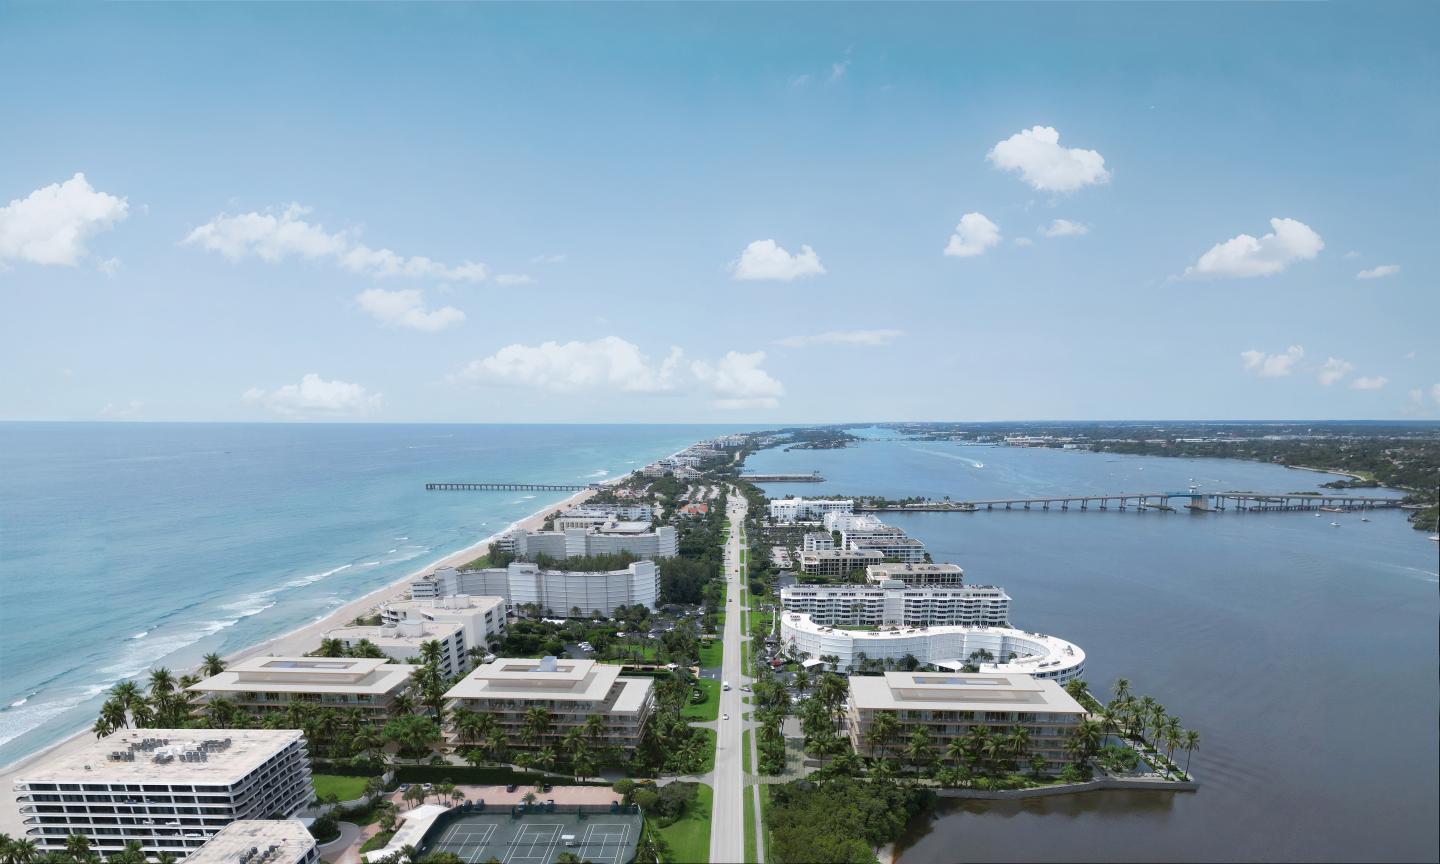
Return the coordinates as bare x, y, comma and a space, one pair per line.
509, 487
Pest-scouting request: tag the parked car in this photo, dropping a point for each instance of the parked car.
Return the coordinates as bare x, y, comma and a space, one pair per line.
512, 787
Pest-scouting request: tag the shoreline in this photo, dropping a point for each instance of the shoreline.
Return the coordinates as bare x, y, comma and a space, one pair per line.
299, 640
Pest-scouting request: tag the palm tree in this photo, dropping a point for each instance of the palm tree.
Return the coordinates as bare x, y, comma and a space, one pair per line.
882, 730
212, 665
457, 796
161, 682
1173, 736
77, 846
537, 724
1018, 742
919, 749
414, 795
331, 648
595, 727
222, 713
1191, 743
975, 743
1122, 689
546, 758
956, 751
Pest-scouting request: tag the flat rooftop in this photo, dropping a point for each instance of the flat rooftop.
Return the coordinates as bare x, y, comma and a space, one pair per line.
162, 763
275, 841
560, 680
955, 691
310, 675
392, 635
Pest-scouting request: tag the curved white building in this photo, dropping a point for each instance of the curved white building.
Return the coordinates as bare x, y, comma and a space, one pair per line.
946, 647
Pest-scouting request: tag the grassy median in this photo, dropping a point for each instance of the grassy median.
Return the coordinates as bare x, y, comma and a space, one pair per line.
689, 836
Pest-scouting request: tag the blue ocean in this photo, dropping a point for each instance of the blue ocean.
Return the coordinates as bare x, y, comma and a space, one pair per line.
127, 546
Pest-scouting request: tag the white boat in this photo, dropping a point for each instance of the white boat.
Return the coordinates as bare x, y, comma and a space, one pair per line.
1335, 524
1364, 518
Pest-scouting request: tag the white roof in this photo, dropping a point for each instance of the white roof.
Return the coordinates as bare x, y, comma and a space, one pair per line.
309, 675
162, 763
275, 841
950, 691
410, 833
571, 681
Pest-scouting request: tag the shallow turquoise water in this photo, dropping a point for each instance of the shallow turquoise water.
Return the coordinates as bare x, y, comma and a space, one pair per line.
1304, 654
124, 546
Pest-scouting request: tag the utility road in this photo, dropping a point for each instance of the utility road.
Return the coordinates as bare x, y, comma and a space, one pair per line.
727, 820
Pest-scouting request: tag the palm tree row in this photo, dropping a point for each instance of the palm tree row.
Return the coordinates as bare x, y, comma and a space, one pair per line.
1143, 720
77, 851
165, 703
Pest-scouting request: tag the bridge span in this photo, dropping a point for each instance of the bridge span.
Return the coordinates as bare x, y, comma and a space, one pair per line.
1193, 500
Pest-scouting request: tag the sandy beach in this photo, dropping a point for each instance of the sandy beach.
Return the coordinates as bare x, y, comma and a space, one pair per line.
298, 641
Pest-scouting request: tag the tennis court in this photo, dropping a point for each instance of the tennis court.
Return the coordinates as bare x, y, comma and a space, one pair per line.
535, 836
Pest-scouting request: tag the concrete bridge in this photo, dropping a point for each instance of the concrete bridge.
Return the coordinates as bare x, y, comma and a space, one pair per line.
1194, 500
509, 487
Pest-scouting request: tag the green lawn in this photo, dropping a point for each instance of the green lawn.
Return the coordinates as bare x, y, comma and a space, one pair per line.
710, 708
344, 788
764, 835
750, 857
709, 736
689, 837
745, 750
712, 653
377, 842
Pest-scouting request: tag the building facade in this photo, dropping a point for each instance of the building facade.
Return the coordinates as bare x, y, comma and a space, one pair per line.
458, 622
610, 538
838, 562
895, 604
267, 685
807, 509
259, 841
949, 706
170, 790
990, 649
913, 574
559, 591
569, 690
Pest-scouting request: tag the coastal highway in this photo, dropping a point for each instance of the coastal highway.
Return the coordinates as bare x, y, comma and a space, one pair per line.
727, 819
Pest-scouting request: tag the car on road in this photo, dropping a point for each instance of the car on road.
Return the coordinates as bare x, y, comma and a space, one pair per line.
724, 685
724, 716
546, 788
512, 787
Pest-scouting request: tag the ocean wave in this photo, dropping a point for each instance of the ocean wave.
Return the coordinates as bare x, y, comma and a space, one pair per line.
598, 472
369, 563
141, 635
313, 578
26, 715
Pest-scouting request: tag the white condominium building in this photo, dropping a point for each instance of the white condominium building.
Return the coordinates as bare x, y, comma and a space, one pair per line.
914, 574
894, 604
259, 841
807, 509
990, 649
892, 544
838, 562
267, 685
570, 690
558, 591
816, 541
950, 705
612, 538
168, 789
459, 623
843, 521
619, 512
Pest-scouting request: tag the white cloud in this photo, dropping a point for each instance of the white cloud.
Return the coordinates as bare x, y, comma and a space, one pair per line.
1379, 272
52, 224
407, 309
513, 279
316, 397
556, 258
1065, 228
109, 266
1369, 383
972, 236
866, 338
1351, 254
1037, 155
1244, 255
610, 363
1333, 370
737, 381
613, 365
838, 70
1023, 241
1272, 365
276, 236
122, 411
765, 259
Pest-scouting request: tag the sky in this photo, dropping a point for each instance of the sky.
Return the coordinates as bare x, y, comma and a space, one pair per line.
755, 213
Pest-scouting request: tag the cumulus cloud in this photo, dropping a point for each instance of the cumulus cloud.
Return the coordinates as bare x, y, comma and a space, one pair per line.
737, 381
868, 338
1379, 272
406, 308
972, 236
1037, 156
1369, 383
1065, 228
276, 236
610, 363
121, 410
1333, 370
316, 397
53, 224
765, 259
613, 365
1244, 255
1272, 365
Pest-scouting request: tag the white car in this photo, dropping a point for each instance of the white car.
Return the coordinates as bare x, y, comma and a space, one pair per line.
724, 716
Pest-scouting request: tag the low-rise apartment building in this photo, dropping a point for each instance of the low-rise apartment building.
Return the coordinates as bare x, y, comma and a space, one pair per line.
838, 562
267, 685
914, 574
170, 790
570, 690
950, 705
458, 622
808, 509
817, 541
259, 841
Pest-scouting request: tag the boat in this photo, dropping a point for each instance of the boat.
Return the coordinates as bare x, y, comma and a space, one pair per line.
1435, 537
1364, 518
1331, 510
1335, 524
